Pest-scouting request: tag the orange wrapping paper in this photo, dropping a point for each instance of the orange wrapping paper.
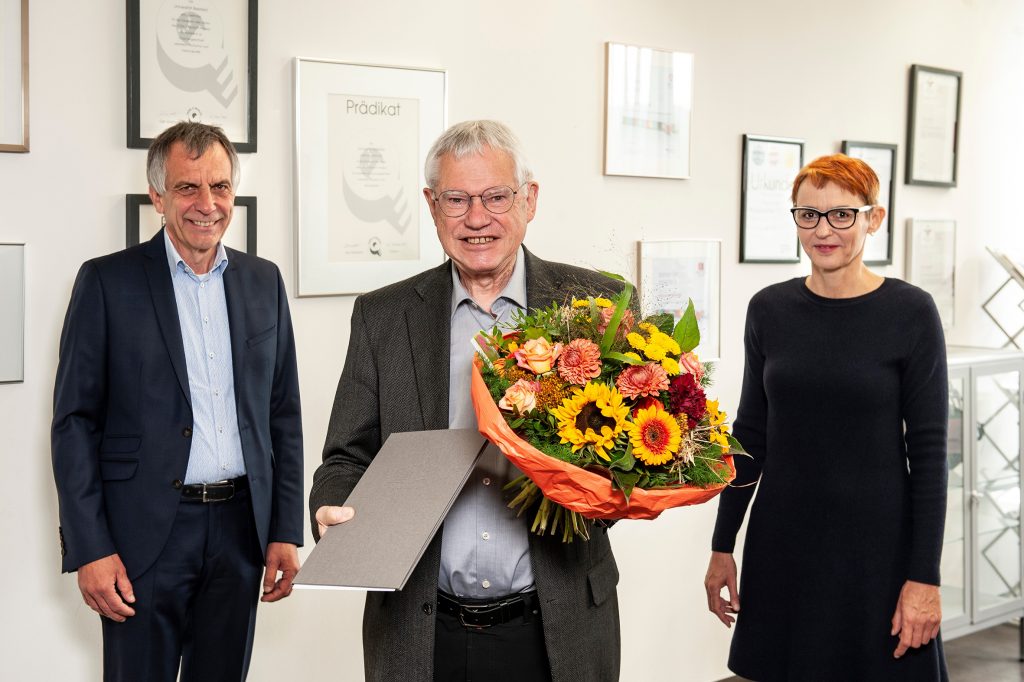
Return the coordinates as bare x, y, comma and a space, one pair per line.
573, 487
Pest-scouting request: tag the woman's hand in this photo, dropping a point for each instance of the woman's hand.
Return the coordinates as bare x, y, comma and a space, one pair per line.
918, 616
722, 573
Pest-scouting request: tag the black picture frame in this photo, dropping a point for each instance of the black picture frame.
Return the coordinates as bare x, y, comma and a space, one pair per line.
779, 185
137, 139
942, 131
135, 224
850, 148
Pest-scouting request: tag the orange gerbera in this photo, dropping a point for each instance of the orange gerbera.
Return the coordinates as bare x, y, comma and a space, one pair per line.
655, 435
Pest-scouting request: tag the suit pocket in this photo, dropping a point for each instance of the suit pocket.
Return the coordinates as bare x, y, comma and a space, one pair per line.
119, 444
602, 579
261, 337
118, 469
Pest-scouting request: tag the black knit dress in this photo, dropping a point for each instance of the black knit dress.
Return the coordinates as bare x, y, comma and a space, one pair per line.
849, 504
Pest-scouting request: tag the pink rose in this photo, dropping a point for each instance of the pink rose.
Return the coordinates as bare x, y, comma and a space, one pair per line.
689, 364
521, 397
538, 355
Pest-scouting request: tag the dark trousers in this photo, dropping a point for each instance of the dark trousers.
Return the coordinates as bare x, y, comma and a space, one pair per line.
509, 652
196, 606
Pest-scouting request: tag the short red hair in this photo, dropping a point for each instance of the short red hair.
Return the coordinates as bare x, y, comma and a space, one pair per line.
853, 175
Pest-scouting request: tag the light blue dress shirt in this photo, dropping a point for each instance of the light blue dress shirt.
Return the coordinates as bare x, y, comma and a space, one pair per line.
216, 452
485, 549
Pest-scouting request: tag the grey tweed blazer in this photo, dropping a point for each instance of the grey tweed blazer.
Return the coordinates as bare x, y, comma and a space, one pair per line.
396, 379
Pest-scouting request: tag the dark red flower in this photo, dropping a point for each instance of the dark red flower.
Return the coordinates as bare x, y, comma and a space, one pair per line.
685, 396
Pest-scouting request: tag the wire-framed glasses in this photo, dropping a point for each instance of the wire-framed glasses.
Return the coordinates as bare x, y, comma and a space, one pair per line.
455, 203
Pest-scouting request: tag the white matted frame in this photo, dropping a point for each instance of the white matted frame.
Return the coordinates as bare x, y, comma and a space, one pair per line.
142, 222
648, 108
882, 159
12, 313
933, 126
13, 75
767, 232
362, 133
675, 271
931, 262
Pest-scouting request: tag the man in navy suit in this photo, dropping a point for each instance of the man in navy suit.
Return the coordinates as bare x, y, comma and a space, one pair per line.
176, 437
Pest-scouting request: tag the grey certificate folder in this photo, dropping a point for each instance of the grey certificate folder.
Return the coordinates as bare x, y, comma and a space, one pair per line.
400, 502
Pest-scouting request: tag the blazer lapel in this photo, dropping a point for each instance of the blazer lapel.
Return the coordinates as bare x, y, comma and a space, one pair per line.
429, 337
236, 320
162, 291
544, 284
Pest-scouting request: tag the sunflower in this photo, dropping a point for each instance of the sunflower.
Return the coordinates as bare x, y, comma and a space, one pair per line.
655, 435
594, 416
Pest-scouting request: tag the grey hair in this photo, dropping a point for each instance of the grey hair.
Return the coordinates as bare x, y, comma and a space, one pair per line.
197, 138
470, 137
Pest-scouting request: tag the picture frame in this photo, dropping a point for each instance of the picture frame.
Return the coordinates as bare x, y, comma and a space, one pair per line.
142, 222
767, 232
933, 126
648, 111
882, 159
14, 121
672, 272
362, 133
12, 312
194, 62
931, 262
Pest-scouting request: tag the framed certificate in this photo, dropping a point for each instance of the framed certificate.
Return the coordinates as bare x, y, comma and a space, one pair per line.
192, 60
674, 272
13, 75
362, 133
882, 159
933, 126
931, 262
649, 98
142, 222
12, 313
767, 232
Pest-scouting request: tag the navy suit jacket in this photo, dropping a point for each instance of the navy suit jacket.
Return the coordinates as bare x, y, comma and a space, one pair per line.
122, 415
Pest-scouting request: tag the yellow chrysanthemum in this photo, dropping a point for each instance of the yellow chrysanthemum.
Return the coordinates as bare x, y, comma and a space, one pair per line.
655, 435
594, 416
578, 303
635, 356
636, 340
602, 302
663, 340
654, 352
647, 327
670, 366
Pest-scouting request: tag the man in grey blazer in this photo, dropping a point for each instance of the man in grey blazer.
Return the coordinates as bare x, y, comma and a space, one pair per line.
488, 600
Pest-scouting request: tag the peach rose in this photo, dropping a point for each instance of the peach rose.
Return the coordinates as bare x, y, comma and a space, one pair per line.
520, 397
538, 355
690, 364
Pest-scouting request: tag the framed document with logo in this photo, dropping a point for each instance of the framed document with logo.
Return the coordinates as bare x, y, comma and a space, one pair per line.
767, 232
931, 262
933, 126
142, 222
192, 60
362, 133
13, 75
882, 159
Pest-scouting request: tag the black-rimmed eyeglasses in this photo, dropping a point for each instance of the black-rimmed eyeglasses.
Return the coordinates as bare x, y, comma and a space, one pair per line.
455, 203
842, 218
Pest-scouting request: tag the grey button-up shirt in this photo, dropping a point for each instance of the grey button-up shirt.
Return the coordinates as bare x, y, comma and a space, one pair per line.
484, 548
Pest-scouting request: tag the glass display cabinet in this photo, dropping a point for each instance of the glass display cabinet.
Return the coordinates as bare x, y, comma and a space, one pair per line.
983, 552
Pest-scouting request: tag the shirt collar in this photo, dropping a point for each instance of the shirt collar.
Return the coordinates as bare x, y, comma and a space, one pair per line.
514, 291
173, 257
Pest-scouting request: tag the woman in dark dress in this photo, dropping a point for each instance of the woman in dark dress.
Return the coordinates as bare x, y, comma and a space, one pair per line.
843, 410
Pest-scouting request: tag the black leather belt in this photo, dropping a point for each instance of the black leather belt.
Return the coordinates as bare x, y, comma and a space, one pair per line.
221, 491
480, 614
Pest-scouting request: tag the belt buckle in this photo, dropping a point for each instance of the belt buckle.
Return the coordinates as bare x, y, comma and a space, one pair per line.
206, 487
463, 610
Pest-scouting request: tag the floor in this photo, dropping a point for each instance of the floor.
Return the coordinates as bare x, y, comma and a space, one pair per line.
986, 656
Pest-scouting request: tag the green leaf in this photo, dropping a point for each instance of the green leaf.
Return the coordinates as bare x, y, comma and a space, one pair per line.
621, 357
621, 303
624, 461
663, 321
686, 333
533, 332
625, 480
734, 445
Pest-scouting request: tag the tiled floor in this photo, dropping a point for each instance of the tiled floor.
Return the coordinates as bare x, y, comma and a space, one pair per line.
987, 656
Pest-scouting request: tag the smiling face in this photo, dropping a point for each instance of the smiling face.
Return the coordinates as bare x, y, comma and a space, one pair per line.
482, 244
832, 250
196, 204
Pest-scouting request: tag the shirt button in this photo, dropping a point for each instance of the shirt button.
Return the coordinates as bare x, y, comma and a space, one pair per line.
216, 392
211, 356
203, 285
206, 320
485, 535
487, 481
485, 584
220, 429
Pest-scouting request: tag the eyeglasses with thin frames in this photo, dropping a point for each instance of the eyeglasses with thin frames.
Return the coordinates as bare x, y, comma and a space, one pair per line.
455, 203
840, 218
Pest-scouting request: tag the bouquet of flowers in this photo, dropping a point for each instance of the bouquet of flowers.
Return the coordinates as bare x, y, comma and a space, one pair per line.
606, 416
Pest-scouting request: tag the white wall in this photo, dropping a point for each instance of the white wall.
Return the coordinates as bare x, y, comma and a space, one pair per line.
538, 66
